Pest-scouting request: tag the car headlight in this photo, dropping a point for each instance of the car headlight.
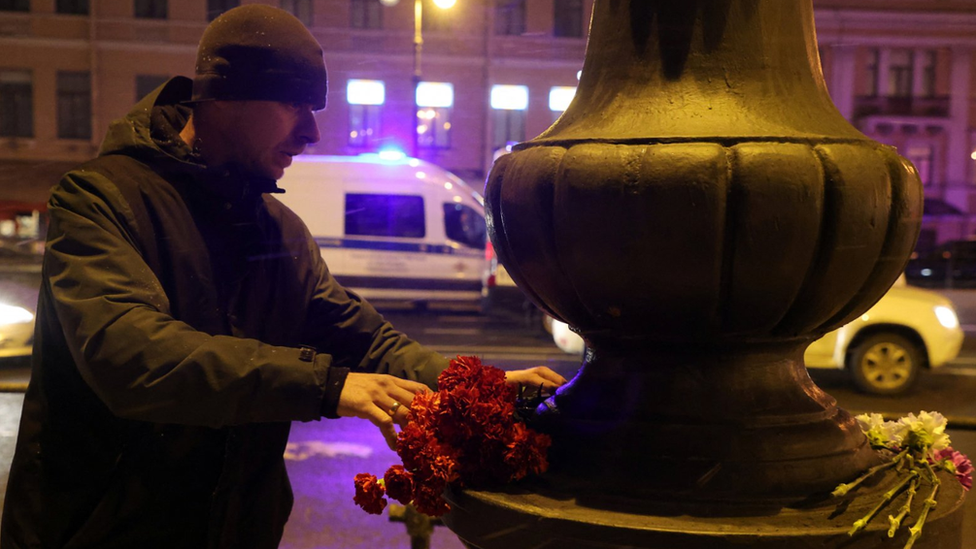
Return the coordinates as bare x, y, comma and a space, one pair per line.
947, 317
11, 314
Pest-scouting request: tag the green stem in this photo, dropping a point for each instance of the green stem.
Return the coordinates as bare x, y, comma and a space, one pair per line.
843, 489
916, 529
895, 522
932, 475
888, 496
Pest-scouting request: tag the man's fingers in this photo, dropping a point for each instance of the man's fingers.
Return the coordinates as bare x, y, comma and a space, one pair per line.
551, 376
401, 396
540, 375
401, 414
384, 423
412, 386
374, 397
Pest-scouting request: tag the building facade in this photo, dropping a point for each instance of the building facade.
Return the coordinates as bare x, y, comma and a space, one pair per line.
902, 72
489, 73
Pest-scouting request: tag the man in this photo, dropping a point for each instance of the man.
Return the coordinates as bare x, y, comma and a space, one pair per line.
186, 317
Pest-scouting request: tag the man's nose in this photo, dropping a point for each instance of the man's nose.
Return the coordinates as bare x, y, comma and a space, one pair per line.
308, 128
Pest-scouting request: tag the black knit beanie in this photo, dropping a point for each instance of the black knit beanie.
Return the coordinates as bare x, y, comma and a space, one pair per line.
261, 53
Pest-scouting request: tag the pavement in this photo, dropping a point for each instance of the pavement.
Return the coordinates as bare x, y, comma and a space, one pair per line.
324, 456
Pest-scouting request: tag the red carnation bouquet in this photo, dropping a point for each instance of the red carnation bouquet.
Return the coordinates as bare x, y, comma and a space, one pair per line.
466, 434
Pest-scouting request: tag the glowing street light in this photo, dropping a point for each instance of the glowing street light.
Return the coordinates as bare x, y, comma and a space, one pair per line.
418, 47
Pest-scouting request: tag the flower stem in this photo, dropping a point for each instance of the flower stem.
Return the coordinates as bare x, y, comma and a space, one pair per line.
932, 475
843, 489
888, 496
916, 529
895, 521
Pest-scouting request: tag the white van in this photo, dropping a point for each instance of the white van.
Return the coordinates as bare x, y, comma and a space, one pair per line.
392, 228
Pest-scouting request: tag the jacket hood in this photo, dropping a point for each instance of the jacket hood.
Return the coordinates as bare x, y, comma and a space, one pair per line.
150, 133
151, 130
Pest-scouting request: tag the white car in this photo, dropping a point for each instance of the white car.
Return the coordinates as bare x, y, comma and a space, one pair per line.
17, 303
883, 349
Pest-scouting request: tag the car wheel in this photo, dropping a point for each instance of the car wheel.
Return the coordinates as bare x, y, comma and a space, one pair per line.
885, 364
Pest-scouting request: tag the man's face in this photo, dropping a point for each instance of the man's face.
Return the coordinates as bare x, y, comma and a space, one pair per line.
260, 136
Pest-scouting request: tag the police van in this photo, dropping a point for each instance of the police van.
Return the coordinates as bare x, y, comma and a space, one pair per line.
392, 228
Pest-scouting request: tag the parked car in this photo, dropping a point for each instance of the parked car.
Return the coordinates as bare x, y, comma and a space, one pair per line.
883, 350
17, 305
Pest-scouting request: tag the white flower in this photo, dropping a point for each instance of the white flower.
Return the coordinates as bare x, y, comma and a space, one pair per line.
870, 421
925, 432
881, 433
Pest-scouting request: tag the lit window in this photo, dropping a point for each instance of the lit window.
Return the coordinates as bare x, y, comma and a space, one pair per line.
508, 119
365, 98
560, 97
509, 98
364, 125
366, 92
434, 102
435, 94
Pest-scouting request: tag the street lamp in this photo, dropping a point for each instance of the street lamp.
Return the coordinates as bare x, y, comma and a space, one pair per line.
418, 47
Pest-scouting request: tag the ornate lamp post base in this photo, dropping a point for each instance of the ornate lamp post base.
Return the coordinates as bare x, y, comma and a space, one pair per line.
701, 212
533, 515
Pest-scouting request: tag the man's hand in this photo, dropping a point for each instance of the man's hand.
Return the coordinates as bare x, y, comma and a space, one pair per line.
534, 377
382, 399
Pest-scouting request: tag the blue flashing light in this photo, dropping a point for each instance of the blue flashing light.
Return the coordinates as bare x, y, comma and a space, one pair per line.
392, 154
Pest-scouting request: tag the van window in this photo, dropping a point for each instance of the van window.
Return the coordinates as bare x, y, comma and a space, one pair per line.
463, 224
385, 215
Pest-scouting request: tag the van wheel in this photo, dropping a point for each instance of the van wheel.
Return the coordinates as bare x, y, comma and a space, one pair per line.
884, 364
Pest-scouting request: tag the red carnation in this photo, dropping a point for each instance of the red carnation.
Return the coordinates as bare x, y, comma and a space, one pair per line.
399, 484
369, 494
465, 434
458, 372
423, 406
442, 466
526, 452
411, 442
428, 499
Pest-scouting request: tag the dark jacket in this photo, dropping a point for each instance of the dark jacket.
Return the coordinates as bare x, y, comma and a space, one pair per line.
167, 363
